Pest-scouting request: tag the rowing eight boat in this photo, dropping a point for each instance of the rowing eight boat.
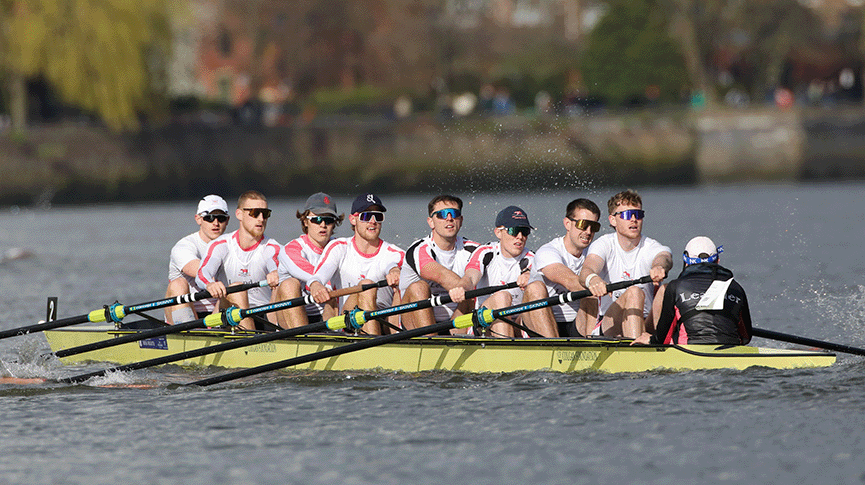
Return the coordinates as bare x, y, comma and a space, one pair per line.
464, 354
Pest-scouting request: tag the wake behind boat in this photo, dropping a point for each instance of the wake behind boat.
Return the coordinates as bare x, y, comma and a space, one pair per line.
461, 354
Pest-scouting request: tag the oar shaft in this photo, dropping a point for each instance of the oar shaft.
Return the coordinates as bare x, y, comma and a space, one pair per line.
344, 349
795, 339
133, 337
63, 322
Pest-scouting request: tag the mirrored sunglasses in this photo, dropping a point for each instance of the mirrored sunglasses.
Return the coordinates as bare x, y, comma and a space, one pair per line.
582, 224
327, 220
254, 213
525, 231
444, 213
628, 214
221, 218
369, 215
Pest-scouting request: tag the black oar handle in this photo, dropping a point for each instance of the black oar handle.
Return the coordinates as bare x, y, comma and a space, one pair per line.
187, 298
795, 339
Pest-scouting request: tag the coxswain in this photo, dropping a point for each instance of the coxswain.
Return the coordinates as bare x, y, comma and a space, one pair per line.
704, 305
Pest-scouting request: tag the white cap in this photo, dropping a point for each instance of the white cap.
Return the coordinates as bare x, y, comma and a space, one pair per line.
212, 203
700, 246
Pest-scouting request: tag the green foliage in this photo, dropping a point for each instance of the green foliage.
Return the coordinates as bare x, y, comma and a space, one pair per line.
347, 100
631, 50
103, 56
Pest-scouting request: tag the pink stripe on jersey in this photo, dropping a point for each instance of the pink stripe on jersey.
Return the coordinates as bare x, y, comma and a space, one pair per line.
475, 260
207, 259
401, 254
668, 339
329, 250
294, 251
365, 255
312, 245
275, 253
424, 256
251, 248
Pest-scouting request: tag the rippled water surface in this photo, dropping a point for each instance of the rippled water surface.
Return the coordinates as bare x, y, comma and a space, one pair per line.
796, 249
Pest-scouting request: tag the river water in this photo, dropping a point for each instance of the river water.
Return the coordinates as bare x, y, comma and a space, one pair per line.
797, 250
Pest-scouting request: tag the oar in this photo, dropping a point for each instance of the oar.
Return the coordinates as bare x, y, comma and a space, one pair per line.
231, 316
483, 316
335, 323
116, 312
795, 339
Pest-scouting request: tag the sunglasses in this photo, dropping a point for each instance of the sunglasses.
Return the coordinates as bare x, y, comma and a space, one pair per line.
222, 218
582, 224
525, 231
370, 215
319, 219
628, 214
254, 213
444, 213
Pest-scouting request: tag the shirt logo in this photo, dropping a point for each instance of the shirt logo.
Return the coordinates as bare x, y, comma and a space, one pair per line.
626, 275
244, 272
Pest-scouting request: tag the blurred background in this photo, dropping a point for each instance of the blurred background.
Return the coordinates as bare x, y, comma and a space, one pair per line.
130, 100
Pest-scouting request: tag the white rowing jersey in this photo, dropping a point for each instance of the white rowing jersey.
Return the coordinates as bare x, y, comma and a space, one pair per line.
555, 252
344, 265
241, 265
621, 265
424, 251
188, 249
498, 269
298, 259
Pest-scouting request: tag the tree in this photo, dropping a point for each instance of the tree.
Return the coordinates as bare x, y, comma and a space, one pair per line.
629, 51
103, 56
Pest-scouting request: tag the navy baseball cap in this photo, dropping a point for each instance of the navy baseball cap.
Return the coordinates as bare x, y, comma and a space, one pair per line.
364, 202
512, 216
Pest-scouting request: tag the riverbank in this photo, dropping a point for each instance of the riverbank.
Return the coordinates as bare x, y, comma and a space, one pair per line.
58, 164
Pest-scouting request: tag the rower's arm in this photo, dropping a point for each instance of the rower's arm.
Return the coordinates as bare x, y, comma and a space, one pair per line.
592, 266
191, 268
434, 271
561, 274
661, 265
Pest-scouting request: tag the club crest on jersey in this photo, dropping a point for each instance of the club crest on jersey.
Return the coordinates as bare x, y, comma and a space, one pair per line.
627, 275
244, 272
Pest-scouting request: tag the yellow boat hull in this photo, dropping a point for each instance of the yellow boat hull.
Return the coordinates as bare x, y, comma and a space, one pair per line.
464, 354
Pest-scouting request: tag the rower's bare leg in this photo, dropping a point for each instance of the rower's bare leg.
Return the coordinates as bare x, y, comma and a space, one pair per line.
624, 318
329, 309
366, 300
417, 291
657, 303
393, 319
500, 299
177, 287
541, 320
295, 316
587, 315
241, 300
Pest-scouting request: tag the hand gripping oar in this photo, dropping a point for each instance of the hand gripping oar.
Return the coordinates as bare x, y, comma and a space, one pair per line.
335, 323
230, 316
116, 312
483, 317
795, 339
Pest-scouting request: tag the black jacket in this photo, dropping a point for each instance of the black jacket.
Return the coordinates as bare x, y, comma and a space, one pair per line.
681, 323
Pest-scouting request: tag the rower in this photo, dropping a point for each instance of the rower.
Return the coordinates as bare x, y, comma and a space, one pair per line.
245, 255
212, 219
435, 264
560, 261
498, 263
624, 255
704, 305
298, 259
361, 259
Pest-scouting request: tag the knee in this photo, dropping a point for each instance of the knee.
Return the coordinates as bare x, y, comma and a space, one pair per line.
177, 287
498, 300
419, 290
634, 296
289, 288
536, 290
